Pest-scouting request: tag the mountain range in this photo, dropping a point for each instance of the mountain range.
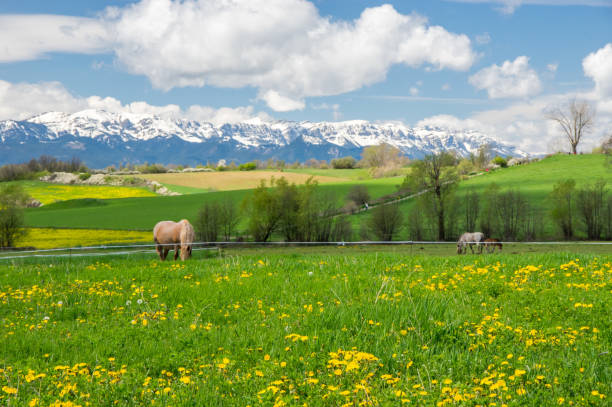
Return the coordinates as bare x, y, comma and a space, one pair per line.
101, 138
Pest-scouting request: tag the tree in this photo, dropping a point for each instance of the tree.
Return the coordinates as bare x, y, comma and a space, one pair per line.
575, 120
358, 194
12, 199
436, 176
347, 162
264, 211
511, 209
562, 197
590, 203
488, 217
207, 224
385, 221
471, 203
382, 155
229, 218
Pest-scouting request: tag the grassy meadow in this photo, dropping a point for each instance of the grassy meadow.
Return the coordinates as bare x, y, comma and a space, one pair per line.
48, 193
48, 238
307, 329
143, 213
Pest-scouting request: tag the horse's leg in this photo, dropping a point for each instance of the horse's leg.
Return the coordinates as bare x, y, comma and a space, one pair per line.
166, 250
176, 252
158, 249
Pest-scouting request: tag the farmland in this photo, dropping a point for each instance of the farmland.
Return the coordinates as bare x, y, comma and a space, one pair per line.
232, 180
335, 329
49, 193
47, 238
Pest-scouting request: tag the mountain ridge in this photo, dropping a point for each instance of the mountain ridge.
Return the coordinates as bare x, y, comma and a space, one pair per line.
102, 138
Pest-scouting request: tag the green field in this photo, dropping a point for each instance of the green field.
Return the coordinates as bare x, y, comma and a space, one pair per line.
143, 213
305, 329
534, 180
48, 193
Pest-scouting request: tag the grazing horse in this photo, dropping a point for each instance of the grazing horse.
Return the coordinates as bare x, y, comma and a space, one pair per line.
180, 234
490, 245
469, 239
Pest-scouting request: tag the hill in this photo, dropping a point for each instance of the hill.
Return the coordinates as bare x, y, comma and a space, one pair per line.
535, 181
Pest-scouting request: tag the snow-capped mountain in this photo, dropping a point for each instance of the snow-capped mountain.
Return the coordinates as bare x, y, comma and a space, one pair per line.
102, 138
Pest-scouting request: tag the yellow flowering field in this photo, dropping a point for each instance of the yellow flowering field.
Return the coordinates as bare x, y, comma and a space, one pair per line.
346, 329
48, 193
50, 238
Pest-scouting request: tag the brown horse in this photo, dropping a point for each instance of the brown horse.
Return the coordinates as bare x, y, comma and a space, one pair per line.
490, 245
168, 235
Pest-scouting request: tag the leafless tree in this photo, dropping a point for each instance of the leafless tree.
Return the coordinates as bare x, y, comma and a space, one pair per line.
575, 120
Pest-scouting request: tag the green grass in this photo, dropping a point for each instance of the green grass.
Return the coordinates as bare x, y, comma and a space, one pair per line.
48, 193
535, 181
267, 329
144, 213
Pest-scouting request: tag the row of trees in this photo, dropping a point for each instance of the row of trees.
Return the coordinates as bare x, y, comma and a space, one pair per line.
12, 172
298, 213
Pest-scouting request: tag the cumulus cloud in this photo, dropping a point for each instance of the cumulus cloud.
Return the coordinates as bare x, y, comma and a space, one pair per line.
21, 101
513, 79
284, 48
598, 66
25, 37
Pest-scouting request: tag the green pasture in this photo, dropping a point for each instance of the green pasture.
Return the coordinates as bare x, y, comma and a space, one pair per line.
143, 213
307, 329
48, 193
535, 181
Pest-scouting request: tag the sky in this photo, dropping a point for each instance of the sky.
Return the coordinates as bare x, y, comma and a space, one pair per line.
497, 66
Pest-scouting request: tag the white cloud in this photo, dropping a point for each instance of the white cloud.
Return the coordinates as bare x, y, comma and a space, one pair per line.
598, 66
284, 48
510, 80
552, 67
25, 37
446, 87
414, 91
23, 100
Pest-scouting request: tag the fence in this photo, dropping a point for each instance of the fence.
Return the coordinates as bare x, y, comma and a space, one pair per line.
112, 250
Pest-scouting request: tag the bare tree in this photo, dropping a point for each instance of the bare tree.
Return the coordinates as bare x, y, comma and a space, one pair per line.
575, 120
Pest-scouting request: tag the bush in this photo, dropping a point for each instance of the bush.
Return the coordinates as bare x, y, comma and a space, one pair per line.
358, 194
385, 221
152, 169
343, 163
84, 175
501, 161
247, 166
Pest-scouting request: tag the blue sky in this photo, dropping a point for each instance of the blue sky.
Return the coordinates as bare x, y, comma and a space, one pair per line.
494, 66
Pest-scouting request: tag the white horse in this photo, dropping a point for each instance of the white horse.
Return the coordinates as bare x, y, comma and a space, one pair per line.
169, 235
469, 239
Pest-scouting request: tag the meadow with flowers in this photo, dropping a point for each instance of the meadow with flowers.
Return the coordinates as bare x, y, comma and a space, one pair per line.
335, 329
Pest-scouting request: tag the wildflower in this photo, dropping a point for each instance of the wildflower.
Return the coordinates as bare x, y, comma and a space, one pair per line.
139, 301
9, 390
128, 303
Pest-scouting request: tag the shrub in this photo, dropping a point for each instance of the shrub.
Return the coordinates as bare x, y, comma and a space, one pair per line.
247, 166
385, 221
358, 194
343, 163
84, 175
501, 161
